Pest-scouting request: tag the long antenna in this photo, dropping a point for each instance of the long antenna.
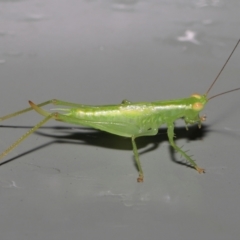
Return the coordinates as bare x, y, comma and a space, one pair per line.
224, 93
221, 72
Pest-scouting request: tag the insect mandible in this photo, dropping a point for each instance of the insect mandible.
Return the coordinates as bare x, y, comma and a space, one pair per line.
128, 119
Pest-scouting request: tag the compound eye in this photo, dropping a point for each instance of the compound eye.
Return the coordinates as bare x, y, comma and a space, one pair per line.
197, 106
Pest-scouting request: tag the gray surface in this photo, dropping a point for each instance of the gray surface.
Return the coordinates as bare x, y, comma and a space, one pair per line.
72, 183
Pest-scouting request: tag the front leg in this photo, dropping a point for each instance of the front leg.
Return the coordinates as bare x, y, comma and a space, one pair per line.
170, 133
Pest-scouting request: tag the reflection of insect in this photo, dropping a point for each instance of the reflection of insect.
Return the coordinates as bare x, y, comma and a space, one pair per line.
127, 119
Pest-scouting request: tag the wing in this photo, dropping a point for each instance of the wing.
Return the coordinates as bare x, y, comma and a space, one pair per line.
125, 129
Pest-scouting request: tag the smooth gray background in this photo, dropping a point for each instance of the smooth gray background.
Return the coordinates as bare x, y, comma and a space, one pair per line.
67, 182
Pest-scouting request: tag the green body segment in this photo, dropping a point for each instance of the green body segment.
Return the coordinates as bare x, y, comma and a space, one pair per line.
126, 119
133, 119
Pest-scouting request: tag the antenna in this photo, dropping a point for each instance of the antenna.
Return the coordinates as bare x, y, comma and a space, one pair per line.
220, 73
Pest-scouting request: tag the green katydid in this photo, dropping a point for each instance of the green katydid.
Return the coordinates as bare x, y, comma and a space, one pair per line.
127, 119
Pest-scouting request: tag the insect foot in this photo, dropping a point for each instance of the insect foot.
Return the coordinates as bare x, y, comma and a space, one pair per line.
140, 178
200, 170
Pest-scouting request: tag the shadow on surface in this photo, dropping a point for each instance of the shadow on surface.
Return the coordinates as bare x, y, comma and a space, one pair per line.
89, 136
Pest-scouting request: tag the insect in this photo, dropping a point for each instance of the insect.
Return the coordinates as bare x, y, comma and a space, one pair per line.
128, 119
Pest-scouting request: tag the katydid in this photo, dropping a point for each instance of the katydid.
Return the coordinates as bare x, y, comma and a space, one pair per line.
127, 119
